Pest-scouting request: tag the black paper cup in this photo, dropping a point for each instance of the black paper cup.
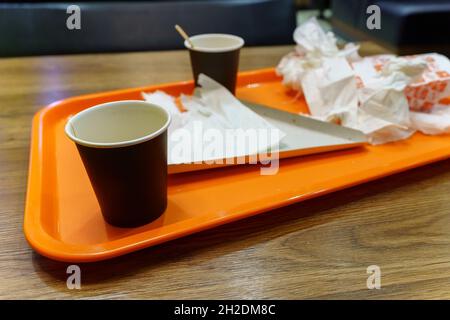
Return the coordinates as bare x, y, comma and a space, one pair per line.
123, 146
217, 56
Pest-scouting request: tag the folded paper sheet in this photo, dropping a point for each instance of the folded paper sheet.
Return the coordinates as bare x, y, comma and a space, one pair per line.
213, 114
363, 93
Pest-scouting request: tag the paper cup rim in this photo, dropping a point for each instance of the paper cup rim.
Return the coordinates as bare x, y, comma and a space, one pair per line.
237, 46
119, 144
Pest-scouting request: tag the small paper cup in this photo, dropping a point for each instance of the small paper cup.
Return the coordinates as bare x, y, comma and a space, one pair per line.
123, 146
217, 56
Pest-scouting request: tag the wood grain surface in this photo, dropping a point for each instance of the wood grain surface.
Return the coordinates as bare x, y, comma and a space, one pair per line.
316, 249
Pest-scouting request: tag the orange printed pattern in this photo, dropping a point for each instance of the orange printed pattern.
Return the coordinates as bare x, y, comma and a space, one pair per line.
429, 89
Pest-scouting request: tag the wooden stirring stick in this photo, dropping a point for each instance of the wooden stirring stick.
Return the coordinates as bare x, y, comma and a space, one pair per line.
184, 35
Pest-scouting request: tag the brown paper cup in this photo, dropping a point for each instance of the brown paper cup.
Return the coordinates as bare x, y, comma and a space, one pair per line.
123, 146
217, 56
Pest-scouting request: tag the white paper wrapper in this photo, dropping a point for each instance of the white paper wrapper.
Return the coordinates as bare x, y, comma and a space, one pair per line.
426, 90
434, 123
212, 107
372, 94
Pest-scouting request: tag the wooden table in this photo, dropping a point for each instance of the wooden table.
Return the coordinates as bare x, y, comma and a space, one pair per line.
316, 249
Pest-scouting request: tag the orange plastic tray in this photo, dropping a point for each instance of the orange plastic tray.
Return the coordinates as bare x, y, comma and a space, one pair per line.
63, 220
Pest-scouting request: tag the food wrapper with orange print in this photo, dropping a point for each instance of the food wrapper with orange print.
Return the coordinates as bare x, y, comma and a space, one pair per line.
323, 73
427, 91
385, 96
427, 94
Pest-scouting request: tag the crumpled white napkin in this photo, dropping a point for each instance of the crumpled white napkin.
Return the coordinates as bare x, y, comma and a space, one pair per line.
437, 122
313, 46
213, 107
335, 91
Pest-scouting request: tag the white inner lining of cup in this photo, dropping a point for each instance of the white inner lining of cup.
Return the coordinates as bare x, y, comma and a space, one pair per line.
215, 42
117, 124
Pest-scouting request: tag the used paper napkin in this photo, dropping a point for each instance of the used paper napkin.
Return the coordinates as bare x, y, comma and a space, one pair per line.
213, 107
361, 93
